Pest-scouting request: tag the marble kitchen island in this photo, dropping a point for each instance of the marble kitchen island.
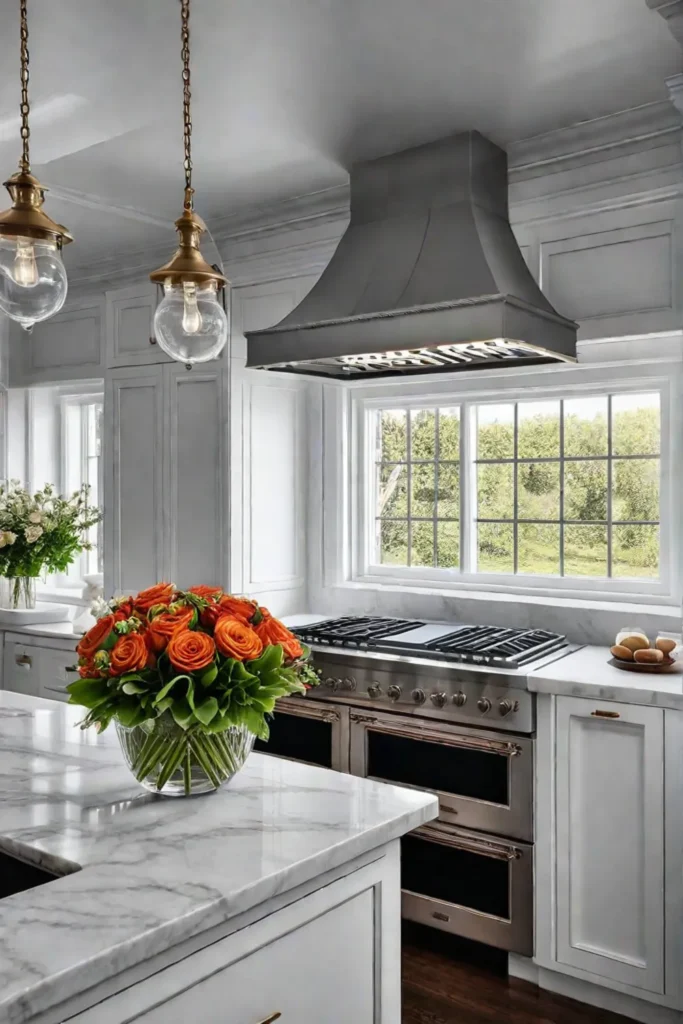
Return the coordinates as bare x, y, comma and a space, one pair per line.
278, 894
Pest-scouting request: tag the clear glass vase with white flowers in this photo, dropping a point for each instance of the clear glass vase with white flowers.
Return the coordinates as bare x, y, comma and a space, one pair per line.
40, 533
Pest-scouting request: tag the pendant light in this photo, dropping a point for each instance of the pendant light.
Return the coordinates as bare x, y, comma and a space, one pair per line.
33, 281
190, 323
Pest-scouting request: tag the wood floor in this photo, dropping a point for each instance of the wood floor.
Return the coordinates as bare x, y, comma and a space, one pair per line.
443, 987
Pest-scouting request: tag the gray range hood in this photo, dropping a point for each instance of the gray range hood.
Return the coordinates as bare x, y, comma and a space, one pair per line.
427, 278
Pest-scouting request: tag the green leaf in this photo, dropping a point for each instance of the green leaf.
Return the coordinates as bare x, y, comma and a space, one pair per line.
88, 692
163, 705
110, 641
182, 713
207, 710
255, 722
133, 688
130, 714
271, 659
165, 690
210, 675
130, 677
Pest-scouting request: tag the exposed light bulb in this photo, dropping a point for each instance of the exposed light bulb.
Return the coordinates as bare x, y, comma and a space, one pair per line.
25, 270
192, 318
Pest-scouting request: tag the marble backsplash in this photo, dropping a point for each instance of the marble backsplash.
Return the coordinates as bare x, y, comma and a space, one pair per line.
582, 621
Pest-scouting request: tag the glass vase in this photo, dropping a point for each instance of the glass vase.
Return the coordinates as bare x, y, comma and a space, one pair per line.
175, 762
17, 592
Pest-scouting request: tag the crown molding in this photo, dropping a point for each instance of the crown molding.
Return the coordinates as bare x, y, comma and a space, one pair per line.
94, 202
672, 12
628, 158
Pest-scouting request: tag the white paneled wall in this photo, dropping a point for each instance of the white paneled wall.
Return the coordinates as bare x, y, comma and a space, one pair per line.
269, 459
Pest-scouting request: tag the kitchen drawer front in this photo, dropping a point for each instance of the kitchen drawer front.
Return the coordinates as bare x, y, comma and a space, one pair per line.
57, 670
21, 669
265, 968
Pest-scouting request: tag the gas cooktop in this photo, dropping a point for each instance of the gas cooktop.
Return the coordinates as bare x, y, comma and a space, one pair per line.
498, 646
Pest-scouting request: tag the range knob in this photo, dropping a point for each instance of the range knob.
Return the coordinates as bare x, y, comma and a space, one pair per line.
506, 706
484, 705
439, 699
394, 692
331, 683
459, 699
374, 691
348, 683
419, 696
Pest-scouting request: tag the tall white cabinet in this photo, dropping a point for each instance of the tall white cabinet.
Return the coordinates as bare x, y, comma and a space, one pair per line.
609, 851
610, 842
166, 474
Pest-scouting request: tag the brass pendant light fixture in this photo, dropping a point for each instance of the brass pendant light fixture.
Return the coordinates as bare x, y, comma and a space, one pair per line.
190, 323
33, 282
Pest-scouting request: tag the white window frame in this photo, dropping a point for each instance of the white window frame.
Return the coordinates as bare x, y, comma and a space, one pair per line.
78, 397
466, 390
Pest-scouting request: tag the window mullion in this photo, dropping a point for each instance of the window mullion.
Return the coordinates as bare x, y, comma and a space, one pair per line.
409, 470
467, 491
515, 496
609, 487
435, 534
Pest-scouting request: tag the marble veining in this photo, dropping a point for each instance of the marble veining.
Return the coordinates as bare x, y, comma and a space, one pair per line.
140, 873
586, 673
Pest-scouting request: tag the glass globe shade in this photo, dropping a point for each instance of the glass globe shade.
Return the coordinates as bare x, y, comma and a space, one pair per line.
190, 324
33, 282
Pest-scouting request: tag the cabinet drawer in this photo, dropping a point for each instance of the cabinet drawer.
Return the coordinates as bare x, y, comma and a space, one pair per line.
21, 669
57, 670
265, 968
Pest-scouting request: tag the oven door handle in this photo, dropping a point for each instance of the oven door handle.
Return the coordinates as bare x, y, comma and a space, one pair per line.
306, 711
504, 748
482, 847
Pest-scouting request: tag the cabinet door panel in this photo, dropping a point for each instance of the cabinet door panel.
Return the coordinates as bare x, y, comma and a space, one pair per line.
196, 428
279, 978
68, 346
130, 327
609, 840
133, 459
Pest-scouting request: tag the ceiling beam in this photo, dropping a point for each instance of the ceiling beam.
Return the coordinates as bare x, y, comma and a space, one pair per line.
672, 12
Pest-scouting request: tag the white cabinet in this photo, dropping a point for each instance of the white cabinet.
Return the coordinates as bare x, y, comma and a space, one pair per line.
610, 842
196, 499
130, 327
39, 671
267, 966
68, 346
609, 846
133, 479
166, 472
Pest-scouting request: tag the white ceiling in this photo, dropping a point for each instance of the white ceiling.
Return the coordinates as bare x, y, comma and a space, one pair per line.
288, 93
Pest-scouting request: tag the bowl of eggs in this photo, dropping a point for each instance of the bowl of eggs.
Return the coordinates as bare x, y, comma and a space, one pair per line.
633, 652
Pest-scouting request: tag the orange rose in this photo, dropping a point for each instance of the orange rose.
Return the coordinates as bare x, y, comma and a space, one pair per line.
235, 639
163, 626
272, 631
202, 590
238, 607
124, 610
95, 637
160, 593
189, 651
129, 654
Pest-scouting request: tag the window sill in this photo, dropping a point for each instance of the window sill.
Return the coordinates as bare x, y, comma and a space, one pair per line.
668, 615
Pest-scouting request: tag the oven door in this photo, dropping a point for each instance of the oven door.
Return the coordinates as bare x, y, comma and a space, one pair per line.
479, 887
484, 780
305, 730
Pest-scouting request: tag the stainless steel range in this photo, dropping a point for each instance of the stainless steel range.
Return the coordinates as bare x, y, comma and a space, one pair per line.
442, 707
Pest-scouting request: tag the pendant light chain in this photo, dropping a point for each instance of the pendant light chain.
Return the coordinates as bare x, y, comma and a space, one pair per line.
187, 96
25, 162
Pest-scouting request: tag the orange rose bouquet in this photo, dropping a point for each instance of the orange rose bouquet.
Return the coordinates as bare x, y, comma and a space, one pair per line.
190, 678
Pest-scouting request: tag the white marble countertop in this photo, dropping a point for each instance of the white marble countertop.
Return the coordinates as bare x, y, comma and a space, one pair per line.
155, 871
56, 630
586, 673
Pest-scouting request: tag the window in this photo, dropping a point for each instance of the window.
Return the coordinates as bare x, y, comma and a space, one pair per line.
549, 488
82, 464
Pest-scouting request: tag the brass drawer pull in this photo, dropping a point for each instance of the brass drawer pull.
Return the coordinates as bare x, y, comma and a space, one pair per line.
605, 714
23, 660
273, 1016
